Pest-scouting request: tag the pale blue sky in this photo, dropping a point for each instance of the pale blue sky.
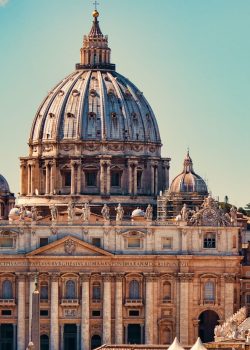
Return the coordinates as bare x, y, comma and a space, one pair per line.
190, 58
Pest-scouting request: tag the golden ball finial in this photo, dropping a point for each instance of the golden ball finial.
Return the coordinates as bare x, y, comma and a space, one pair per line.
95, 14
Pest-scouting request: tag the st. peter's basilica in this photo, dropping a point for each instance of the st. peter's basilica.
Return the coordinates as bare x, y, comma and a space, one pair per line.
121, 256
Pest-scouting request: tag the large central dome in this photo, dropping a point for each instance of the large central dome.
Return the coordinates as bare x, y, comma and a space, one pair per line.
95, 105
94, 138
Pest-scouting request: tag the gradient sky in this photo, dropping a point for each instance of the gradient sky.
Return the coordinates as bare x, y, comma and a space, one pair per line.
190, 58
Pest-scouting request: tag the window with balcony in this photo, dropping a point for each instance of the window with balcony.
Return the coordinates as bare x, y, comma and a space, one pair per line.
7, 289
6, 242
166, 292
44, 292
209, 241
96, 291
209, 292
70, 292
134, 290
166, 242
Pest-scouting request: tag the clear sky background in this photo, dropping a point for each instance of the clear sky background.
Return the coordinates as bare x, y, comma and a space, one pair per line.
191, 59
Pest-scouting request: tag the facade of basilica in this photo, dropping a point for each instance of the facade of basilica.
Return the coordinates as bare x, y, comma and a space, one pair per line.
120, 256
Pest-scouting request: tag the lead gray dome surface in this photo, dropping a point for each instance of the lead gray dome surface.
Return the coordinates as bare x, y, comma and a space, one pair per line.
95, 105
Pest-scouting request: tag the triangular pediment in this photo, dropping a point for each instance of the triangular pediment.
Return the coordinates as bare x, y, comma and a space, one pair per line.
69, 246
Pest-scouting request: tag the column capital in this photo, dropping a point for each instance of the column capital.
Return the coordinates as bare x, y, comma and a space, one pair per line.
54, 277
32, 276
119, 277
150, 276
85, 277
21, 276
107, 277
229, 277
185, 276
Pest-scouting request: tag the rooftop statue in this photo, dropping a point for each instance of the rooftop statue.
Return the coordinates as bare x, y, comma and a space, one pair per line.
149, 212
85, 216
105, 212
54, 212
119, 212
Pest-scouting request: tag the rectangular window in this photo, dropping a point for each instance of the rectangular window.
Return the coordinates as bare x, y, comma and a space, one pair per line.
6, 313
134, 243
6, 242
134, 313
91, 177
44, 241
116, 179
248, 298
96, 242
166, 243
96, 313
67, 179
44, 313
209, 241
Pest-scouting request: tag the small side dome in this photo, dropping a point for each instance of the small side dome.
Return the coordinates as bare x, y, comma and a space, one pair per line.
138, 213
176, 345
4, 186
198, 345
188, 180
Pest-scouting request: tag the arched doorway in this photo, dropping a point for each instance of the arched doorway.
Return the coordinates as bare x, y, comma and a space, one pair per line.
44, 342
6, 337
96, 341
207, 321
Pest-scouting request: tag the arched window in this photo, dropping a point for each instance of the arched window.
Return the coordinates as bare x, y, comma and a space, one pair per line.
134, 290
96, 291
44, 291
7, 290
70, 290
166, 292
209, 291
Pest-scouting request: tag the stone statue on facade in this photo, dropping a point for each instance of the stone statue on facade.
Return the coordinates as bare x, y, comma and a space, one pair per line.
149, 212
233, 216
85, 213
105, 212
53, 212
22, 213
119, 212
34, 214
184, 213
71, 211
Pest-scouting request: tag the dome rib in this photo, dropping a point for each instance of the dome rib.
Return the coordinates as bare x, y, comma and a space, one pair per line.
83, 95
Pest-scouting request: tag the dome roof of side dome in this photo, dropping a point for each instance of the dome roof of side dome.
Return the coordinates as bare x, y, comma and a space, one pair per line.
138, 213
188, 180
4, 186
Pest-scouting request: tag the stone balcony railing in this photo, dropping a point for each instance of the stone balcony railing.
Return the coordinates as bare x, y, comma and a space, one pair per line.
69, 302
7, 302
133, 302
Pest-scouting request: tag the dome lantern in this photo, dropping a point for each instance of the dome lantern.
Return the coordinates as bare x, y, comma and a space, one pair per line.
95, 52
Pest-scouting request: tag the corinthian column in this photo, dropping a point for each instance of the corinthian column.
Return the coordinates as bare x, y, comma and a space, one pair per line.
85, 313
73, 190
31, 290
149, 309
184, 279
107, 309
118, 310
47, 175
22, 178
21, 313
54, 326
229, 295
